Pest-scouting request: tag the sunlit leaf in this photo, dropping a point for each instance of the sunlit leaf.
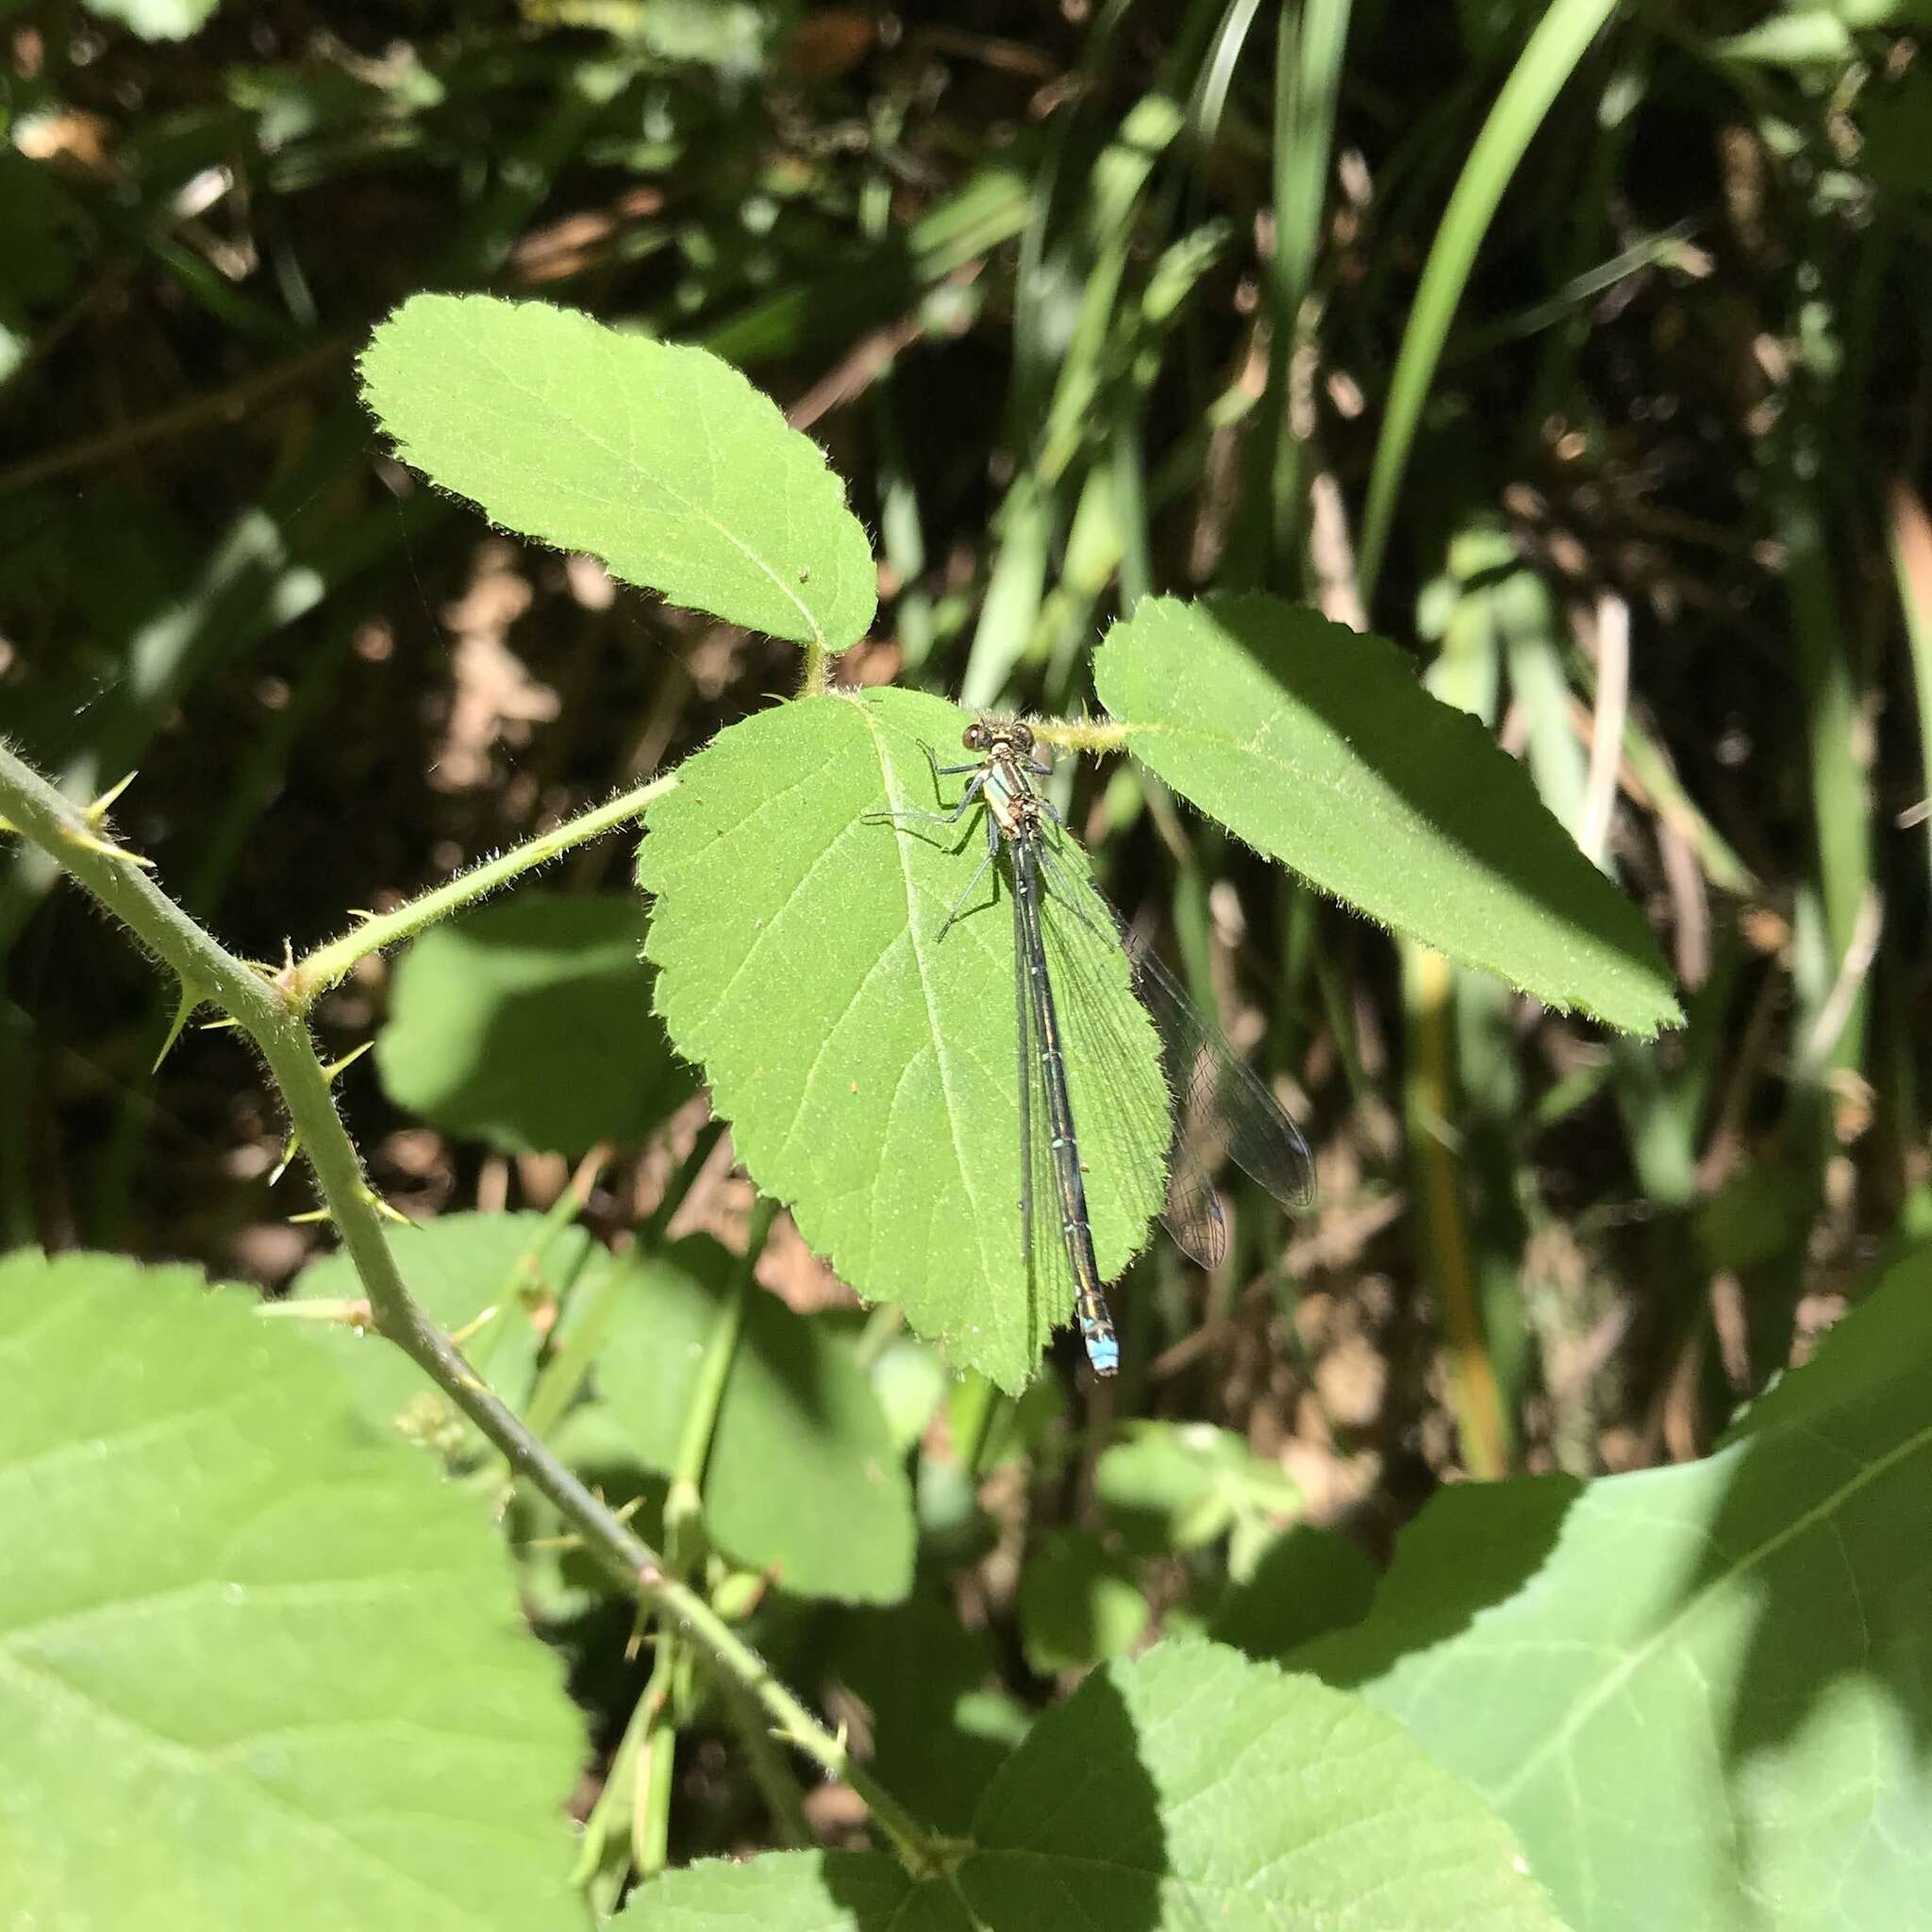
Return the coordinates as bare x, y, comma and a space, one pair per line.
663, 460
868, 1067
1175, 1485
1318, 746
1185, 1789
157, 20
1700, 1693
258, 1664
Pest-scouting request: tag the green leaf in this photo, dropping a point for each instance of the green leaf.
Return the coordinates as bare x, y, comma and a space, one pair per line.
794, 1891
1078, 1603
1317, 745
868, 1068
1173, 1486
1893, 119
1758, 1211
259, 1666
41, 230
910, 1382
1800, 37
1192, 1787
728, 35
660, 459
1307, 1581
527, 1025
457, 1268
1700, 1694
1189, 1787
938, 1734
804, 1478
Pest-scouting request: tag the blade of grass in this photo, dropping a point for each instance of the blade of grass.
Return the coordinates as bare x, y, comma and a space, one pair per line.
1909, 532
1548, 60
1310, 43
1840, 794
1460, 1156
1527, 624
1441, 1224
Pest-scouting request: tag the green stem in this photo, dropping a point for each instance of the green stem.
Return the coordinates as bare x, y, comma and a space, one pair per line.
1095, 739
714, 1372
312, 976
600, 1872
587, 1320
645, 1765
656, 1768
270, 1018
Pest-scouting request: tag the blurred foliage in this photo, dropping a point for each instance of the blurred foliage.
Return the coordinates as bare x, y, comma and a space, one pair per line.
1084, 304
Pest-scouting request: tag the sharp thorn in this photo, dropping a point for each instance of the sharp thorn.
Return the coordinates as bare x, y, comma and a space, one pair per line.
190, 998
105, 847
348, 1060
461, 1335
99, 809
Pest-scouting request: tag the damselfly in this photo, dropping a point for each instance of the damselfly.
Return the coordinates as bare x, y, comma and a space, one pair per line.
1210, 1090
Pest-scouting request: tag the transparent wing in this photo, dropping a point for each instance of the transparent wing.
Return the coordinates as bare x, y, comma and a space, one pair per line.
1217, 1092
1121, 1101
1214, 1098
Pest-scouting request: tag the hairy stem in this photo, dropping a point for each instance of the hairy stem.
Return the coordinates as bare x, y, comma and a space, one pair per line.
315, 973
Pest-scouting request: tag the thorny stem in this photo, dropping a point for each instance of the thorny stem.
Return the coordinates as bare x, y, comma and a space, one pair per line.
271, 1016
315, 973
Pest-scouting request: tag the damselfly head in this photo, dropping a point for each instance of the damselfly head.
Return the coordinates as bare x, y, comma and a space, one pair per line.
997, 736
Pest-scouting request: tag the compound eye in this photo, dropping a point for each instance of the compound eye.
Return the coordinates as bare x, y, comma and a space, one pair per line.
973, 737
1023, 737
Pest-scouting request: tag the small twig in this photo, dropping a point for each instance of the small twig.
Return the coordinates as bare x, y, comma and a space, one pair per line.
310, 976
